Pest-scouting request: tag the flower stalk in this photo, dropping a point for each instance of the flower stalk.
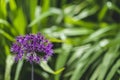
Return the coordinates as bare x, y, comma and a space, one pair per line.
32, 72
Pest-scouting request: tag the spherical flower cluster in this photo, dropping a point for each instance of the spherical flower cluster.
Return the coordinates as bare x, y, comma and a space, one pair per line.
32, 47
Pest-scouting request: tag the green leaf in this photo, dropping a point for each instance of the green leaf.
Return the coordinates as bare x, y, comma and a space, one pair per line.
113, 70
9, 63
78, 53
97, 34
33, 6
45, 67
6, 35
59, 71
20, 21
71, 20
44, 15
3, 10
87, 12
62, 58
83, 62
45, 7
18, 70
7, 50
56, 40
76, 31
2, 21
108, 60
102, 13
13, 5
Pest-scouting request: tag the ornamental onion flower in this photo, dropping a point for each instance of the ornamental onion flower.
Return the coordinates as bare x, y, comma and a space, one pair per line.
32, 47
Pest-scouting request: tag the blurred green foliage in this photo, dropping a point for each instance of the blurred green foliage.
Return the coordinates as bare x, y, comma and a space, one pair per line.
85, 33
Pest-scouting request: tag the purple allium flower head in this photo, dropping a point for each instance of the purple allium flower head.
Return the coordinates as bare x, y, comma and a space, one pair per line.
32, 47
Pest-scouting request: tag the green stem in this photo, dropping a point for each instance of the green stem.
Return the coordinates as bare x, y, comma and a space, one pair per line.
32, 73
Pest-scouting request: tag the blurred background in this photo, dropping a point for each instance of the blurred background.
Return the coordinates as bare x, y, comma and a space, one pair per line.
85, 34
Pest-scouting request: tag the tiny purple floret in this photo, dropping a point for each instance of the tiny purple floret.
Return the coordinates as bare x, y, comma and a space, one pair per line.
33, 47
